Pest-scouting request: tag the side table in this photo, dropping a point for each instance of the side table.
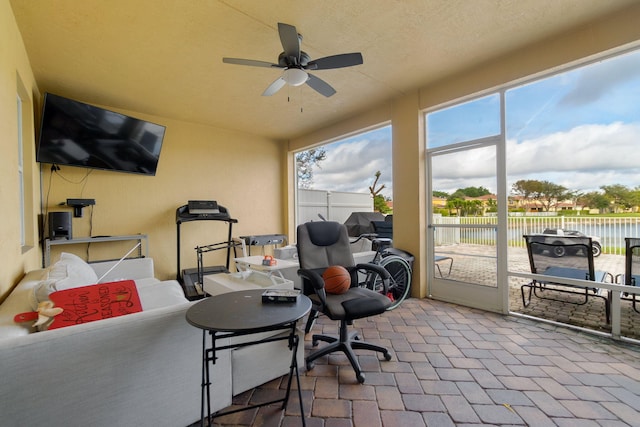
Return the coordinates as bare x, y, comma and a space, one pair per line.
243, 313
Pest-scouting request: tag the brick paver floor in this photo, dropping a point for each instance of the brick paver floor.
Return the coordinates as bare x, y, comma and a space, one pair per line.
457, 366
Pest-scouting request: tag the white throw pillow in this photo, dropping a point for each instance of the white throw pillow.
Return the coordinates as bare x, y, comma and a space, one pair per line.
69, 272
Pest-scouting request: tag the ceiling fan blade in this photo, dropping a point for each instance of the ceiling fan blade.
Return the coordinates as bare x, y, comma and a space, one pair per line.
274, 87
320, 86
335, 61
290, 41
250, 62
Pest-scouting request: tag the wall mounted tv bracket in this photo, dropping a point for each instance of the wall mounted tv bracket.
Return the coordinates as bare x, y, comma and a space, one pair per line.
78, 204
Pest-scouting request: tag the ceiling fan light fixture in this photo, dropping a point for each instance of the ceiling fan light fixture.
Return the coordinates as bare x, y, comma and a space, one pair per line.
295, 76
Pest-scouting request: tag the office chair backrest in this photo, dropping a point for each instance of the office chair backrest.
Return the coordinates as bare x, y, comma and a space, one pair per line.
322, 244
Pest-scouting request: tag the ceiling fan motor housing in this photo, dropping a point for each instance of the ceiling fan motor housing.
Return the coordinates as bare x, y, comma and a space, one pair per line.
287, 61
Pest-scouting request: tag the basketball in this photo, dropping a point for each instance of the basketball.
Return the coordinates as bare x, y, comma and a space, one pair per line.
337, 279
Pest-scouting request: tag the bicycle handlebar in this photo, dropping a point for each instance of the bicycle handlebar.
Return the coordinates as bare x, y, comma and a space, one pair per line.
364, 236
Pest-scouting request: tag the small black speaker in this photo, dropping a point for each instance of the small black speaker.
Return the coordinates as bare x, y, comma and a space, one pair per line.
60, 225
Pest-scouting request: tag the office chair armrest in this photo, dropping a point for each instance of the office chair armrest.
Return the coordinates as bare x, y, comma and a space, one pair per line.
375, 268
380, 270
313, 276
316, 281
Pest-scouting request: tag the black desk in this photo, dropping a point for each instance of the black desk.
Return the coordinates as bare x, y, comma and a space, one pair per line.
243, 313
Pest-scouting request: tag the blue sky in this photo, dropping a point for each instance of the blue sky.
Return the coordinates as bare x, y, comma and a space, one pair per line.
580, 129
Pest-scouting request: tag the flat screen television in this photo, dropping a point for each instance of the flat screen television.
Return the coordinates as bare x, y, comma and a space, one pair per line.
73, 133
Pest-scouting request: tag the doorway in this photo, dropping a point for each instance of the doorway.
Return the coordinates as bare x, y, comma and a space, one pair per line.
465, 224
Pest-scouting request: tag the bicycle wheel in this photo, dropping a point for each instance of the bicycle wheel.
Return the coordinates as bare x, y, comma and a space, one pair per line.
400, 283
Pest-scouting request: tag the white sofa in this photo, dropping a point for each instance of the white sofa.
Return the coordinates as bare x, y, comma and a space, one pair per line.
139, 369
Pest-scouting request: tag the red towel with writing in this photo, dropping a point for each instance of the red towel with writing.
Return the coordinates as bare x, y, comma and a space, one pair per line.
95, 302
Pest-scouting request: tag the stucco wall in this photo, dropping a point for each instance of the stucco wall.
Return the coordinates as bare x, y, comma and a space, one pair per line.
15, 77
240, 171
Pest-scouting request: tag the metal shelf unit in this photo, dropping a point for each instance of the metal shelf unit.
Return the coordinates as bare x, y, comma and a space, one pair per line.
48, 243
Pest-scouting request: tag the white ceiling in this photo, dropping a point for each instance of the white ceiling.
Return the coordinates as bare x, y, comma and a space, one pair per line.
164, 57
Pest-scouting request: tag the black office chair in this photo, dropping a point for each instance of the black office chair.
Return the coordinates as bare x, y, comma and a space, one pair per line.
324, 244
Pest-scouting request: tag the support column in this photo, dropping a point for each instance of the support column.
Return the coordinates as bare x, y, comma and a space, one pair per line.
409, 206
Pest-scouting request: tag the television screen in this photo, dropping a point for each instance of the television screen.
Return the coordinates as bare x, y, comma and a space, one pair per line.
73, 133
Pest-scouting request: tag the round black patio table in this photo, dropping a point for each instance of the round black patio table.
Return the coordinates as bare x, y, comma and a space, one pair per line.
243, 313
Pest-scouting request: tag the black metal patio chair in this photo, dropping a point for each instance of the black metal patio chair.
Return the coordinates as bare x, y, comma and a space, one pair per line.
631, 276
564, 257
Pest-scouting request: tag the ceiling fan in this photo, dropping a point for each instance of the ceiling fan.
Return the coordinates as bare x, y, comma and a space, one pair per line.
296, 63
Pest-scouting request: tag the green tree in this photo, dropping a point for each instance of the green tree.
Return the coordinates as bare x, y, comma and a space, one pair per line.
546, 193
475, 191
620, 196
457, 205
441, 194
595, 200
552, 194
379, 202
451, 206
458, 194
305, 161
528, 189
471, 208
468, 192
492, 205
635, 197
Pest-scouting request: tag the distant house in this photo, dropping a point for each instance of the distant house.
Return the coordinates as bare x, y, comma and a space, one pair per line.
528, 205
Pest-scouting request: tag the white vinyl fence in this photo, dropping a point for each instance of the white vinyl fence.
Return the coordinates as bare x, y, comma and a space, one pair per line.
610, 230
331, 205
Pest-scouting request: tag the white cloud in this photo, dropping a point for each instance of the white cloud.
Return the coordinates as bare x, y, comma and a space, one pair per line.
583, 158
351, 166
609, 75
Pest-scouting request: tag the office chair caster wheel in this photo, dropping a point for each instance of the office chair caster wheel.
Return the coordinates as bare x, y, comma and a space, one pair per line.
360, 378
310, 366
314, 343
387, 356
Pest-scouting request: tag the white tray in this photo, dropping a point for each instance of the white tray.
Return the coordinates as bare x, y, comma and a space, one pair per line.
216, 284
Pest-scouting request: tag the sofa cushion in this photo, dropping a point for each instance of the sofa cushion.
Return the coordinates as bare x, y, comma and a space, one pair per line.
156, 294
